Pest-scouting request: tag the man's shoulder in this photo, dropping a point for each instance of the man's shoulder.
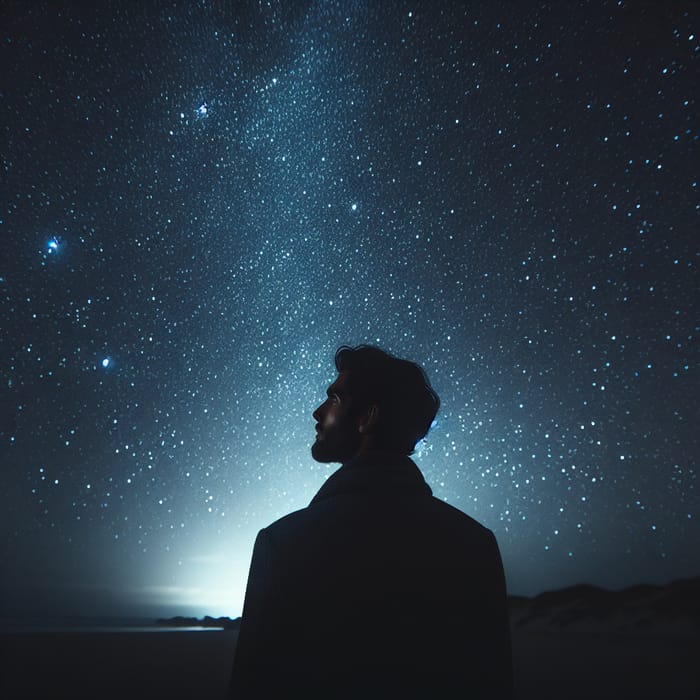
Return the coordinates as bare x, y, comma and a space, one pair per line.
287, 521
458, 516
295, 521
457, 526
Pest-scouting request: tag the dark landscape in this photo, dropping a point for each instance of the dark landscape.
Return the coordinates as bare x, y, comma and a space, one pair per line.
588, 642
578, 642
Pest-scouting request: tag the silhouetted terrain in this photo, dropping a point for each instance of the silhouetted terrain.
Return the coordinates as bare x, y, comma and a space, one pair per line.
588, 642
580, 642
635, 609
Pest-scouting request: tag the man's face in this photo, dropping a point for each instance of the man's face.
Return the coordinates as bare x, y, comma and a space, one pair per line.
337, 434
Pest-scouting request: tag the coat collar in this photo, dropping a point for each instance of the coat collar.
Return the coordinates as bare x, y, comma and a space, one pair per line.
375, 471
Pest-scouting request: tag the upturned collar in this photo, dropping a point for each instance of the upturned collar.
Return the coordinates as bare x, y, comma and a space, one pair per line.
374, 471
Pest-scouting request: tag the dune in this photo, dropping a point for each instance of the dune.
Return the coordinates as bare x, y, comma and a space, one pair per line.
588, 642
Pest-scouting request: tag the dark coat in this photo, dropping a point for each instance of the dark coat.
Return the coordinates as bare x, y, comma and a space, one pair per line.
376, 589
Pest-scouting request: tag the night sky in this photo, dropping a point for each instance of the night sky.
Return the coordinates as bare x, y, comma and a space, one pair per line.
202, 200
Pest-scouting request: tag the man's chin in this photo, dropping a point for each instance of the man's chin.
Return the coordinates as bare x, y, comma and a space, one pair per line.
320, 454
325, 453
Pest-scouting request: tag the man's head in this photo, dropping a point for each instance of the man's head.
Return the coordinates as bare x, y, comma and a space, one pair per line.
378, 401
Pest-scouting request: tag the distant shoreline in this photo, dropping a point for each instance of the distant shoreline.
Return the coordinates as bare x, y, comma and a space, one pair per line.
125, 625
206, 621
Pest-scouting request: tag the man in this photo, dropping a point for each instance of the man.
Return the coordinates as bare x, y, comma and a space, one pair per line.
377, 589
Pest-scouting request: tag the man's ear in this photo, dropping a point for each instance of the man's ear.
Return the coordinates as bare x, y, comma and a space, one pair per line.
369, 420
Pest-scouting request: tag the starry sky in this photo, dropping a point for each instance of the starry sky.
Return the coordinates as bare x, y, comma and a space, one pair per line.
202, 200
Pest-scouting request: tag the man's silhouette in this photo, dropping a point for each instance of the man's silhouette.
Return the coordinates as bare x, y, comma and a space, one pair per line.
377, 589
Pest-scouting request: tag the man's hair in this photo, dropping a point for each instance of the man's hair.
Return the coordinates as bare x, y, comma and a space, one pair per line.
407, 403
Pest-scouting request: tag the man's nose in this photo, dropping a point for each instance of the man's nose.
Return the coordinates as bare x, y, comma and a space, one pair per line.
316, 415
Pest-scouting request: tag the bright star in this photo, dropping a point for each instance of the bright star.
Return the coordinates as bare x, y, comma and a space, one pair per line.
106, 362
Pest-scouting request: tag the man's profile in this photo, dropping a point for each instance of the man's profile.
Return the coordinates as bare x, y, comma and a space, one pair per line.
377, 589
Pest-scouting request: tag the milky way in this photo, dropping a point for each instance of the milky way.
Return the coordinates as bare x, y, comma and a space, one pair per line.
202, 201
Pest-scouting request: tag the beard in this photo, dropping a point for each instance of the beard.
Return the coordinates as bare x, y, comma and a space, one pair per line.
321, 453
335, 446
